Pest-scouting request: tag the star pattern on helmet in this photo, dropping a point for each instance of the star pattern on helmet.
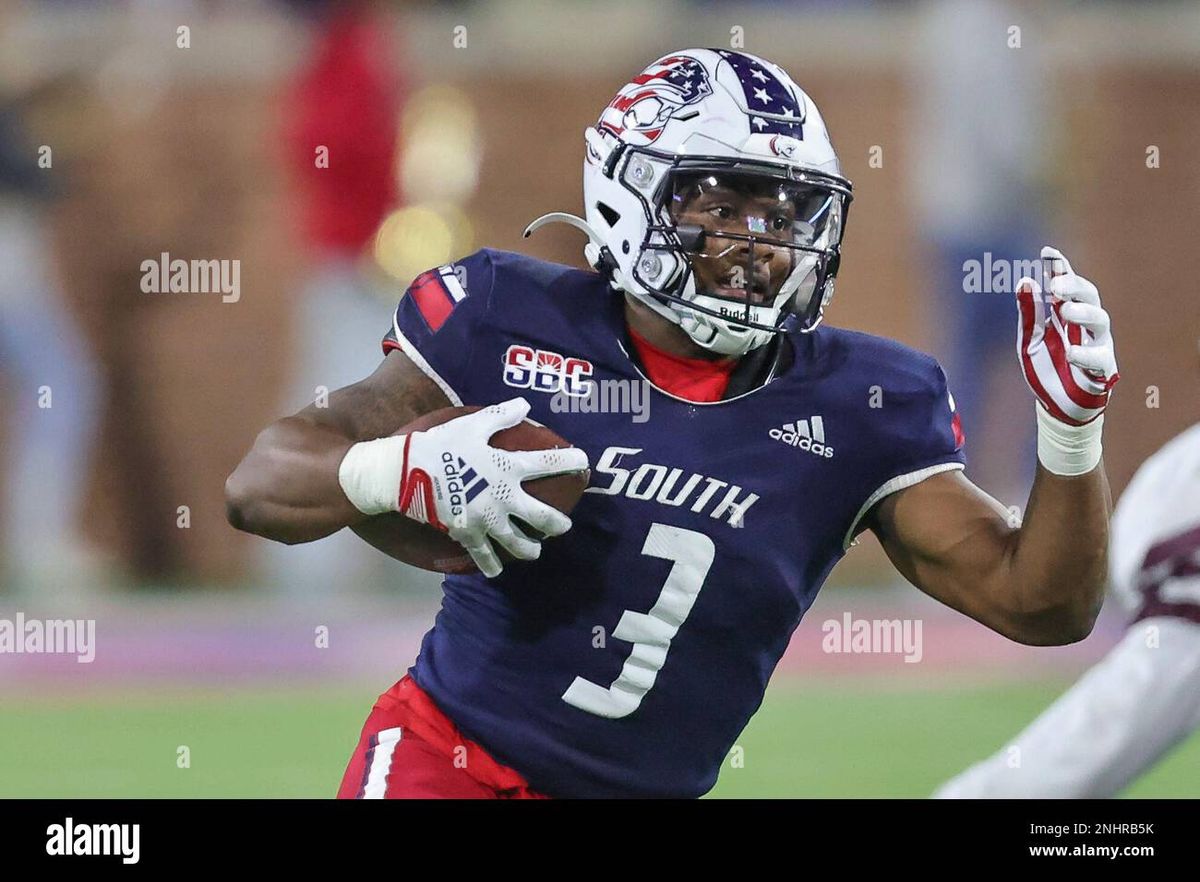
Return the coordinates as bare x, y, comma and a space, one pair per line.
772, 106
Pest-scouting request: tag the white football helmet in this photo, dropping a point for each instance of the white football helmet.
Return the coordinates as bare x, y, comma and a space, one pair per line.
693, 125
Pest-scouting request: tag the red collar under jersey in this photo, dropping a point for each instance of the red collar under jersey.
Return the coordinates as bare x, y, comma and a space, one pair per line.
695, 379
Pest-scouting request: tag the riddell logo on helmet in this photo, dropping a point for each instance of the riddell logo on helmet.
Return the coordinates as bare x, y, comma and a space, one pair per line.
733, 312
806, 434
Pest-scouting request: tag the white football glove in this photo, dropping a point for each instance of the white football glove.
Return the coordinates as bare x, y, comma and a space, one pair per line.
452, 478
1068, 356
1069, 363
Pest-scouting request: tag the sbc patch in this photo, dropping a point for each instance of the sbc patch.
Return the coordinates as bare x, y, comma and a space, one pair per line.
544, 371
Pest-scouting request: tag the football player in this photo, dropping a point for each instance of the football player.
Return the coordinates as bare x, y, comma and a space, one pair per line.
624, 656
1143, 698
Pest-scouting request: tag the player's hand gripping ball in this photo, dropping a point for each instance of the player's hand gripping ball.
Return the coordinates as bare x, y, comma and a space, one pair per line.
1064, 343
480, 486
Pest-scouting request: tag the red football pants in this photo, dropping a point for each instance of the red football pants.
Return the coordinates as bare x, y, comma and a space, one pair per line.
409, 749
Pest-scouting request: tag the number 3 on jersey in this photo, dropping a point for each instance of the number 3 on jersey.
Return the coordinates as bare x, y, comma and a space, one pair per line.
650, 633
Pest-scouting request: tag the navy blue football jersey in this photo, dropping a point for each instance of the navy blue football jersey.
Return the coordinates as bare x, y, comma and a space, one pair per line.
627, 659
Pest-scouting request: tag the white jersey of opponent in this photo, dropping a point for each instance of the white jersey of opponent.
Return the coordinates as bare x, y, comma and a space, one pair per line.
1144, 696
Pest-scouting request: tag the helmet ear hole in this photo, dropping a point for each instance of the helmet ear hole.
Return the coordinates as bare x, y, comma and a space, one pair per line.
611, 217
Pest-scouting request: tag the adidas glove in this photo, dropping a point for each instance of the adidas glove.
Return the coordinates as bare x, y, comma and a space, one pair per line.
1067, 356
451, 478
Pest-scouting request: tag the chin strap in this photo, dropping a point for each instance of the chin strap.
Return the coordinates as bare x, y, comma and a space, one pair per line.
595, 252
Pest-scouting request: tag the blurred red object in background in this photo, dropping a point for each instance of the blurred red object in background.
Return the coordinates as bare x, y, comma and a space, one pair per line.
346, 100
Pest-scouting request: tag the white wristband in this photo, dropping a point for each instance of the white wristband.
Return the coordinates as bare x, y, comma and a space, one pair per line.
371, 472
1068, 450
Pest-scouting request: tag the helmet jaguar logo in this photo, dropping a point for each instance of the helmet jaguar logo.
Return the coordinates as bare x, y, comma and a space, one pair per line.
643, 107
782, 145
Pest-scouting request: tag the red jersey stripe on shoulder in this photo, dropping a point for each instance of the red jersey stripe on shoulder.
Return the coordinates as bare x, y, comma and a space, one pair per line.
432, 299
956, 426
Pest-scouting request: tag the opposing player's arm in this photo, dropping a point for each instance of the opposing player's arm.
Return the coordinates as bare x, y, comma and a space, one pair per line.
1141, 699
1040, 583
287, 487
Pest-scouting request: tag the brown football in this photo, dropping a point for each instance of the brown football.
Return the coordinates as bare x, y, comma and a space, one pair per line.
430, 549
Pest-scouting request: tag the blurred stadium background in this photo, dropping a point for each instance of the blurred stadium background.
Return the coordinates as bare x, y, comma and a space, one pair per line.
195, 128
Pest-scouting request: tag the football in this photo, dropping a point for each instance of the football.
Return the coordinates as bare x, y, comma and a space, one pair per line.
426, 547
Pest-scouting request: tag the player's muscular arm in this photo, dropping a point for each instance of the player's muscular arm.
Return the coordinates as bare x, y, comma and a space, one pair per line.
1042, 582
287, 488
1039, 583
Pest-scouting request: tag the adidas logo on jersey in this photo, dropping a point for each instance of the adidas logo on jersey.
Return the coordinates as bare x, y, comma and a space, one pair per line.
806, 434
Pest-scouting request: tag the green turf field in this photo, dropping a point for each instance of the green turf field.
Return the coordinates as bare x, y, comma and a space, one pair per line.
840, 738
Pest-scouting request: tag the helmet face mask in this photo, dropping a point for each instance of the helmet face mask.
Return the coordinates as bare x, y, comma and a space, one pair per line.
750, 246
729, 221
